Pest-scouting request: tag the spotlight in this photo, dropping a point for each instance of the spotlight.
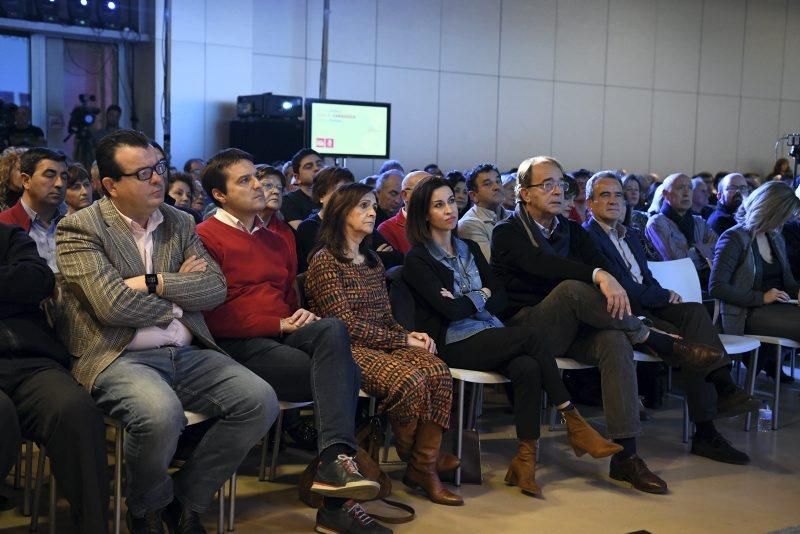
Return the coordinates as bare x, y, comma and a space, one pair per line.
108, 15
80, 12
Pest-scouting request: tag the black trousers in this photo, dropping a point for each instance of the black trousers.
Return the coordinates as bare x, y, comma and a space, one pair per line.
519, 354
41, 401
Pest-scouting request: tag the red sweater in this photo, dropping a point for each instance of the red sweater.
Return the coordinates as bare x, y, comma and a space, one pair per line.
393, 231
285, 231
258, 269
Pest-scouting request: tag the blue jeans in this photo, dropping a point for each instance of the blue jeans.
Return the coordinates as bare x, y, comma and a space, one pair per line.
148, 390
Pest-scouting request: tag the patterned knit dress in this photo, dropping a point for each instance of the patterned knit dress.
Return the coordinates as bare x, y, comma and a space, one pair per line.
411, 382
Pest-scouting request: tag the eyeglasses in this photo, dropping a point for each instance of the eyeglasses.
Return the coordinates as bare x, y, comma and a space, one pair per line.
269, 186
548, 187
146, 173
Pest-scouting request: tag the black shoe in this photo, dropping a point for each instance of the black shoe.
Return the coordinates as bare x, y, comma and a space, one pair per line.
182, 520
304, 435
350, 518
719, 449
151, 523
341, 478
735, 403
635, 471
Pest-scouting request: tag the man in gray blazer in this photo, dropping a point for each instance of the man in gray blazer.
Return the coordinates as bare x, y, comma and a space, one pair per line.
136, 278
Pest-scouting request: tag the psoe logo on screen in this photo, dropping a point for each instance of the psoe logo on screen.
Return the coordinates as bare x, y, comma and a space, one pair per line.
323, 142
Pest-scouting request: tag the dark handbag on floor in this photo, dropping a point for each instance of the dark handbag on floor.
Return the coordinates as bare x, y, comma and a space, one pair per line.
369, 437
470, 456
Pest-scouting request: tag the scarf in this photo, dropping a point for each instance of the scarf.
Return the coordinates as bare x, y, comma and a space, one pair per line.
685, 223
557, 244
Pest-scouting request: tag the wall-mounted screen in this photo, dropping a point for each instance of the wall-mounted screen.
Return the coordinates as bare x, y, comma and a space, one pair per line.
342, 128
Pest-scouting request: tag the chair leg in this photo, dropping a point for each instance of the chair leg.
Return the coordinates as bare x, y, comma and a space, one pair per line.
373, 406
262, 469
18, 471
751, 386
776, 395
53, 503
685, 420
232, 503
37, 492
386, 440
118, 436
221, 516
275, 446
460, 433
26, 493
473, 401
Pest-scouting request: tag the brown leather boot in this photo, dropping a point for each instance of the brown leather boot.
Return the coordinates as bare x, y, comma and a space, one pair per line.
522, 471
421, 470
404, 441
584, 438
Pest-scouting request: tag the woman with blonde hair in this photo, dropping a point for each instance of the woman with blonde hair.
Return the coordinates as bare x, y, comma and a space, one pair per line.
10, 178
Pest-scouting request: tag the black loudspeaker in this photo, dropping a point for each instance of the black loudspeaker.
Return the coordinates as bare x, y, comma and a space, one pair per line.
267, 140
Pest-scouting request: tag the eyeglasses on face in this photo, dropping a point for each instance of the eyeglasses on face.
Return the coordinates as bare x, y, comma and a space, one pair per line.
548, 187
269, 186
147, 172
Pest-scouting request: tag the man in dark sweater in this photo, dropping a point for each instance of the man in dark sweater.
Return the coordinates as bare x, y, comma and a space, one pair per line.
553, 272
39, 399
709, 395
299, 204
732, 190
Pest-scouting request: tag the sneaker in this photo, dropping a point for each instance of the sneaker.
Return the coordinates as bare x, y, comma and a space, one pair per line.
719, 449
151, 523
341, 478
350, 518
182, 520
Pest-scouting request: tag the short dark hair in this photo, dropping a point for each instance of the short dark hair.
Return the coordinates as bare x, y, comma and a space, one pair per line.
472, 175
114, 107
581, 174
106, 151
77, 173
181, 177
213, 175
391, 164
418, 229
454, 177
30, 159
299, 155
187, 167
263, 170
331, 232
325, 181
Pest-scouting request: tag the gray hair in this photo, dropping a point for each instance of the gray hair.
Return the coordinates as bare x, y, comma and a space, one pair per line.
767, 208
385, 176
658, 199
525, 172
600, 175
671, 178
697, 182
725, 180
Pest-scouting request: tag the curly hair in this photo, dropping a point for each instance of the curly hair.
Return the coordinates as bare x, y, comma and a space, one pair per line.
8, 162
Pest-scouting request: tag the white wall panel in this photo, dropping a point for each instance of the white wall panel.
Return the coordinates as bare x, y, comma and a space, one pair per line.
188, 111
763, 49
626, 129
229, 73
528, 39
678, 44
581, 40
346, 81
409, 33
279, 75
717, 131
467, 119
188, 21
279, 27
791, 74
672, 141
578, 125
758, 130
230, 23
524, 121
722, 47
631, 42
470, 36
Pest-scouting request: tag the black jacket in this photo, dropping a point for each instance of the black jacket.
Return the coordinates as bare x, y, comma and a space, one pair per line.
529, 273
426, 276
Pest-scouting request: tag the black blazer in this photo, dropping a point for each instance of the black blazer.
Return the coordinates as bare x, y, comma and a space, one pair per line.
426, 276
648, 294
528, 273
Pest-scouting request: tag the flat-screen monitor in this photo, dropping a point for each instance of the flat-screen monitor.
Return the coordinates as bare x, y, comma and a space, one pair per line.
343, 128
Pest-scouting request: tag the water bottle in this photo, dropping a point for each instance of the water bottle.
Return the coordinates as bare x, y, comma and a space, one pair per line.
764, 418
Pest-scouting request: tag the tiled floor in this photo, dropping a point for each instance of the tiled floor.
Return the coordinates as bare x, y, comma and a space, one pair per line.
579, 497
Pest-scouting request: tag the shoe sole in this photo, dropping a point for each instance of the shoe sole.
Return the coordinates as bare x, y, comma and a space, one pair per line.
739, 409
720, 460
622, 478
359, 491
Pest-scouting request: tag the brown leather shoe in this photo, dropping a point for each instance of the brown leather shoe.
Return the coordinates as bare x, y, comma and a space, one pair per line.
421, 470
522, 471
696, 355
635, 471
584, 438
404, 441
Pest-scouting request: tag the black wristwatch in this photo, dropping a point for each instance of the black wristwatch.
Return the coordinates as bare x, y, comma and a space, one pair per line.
151, 281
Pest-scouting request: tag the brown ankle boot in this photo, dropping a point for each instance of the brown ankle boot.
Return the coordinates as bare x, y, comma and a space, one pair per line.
522, 471
404, 441
421, 470
583, 438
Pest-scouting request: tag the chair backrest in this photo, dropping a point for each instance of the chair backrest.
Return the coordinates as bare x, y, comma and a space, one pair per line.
400, 298
680, 276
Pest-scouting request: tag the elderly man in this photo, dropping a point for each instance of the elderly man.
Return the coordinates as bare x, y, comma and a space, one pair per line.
393, 229
732, 190
677, 233
137, 279
388, 189
486, 191
557, 280
299, 204
626, 262
44, 183
700, 198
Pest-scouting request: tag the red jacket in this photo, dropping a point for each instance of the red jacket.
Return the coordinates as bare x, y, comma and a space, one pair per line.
258, 270
394, 231
16, 214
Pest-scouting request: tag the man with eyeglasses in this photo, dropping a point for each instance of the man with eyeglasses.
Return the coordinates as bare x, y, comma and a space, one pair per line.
677, 233
732, 190
136, 281
559, 282
486, 191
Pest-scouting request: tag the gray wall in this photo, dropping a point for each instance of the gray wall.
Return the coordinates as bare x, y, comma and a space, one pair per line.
649, 85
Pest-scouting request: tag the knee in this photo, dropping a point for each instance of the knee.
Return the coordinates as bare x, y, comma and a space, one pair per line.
334, 329
259, 404
574, 289
160, 417
79, 412
524, 369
